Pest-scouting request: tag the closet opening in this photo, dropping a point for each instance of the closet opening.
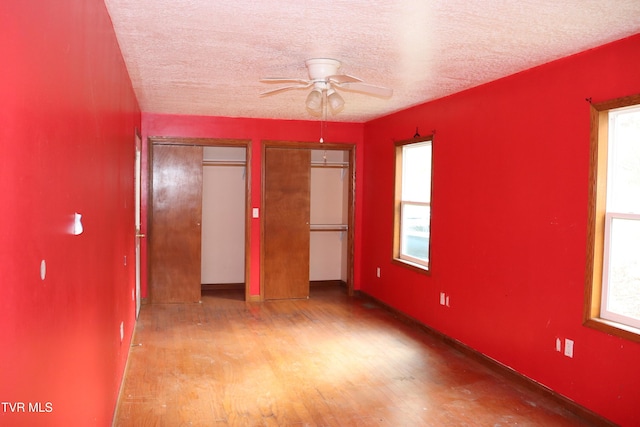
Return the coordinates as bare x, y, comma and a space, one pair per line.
224, 171
329, 218
199, 217
307, 228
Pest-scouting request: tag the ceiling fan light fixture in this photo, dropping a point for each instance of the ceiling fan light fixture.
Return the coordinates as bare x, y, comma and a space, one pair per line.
324, 79
335, 101
314, 101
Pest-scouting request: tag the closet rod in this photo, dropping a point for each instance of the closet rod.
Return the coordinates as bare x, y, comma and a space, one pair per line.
329, 227
329, 165
223, 163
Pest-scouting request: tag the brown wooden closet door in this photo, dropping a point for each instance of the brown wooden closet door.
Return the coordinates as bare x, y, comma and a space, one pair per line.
286, 223
175, 233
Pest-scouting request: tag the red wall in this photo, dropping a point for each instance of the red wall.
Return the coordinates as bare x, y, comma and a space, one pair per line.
67, 120
509, 215
510, 178
256, 130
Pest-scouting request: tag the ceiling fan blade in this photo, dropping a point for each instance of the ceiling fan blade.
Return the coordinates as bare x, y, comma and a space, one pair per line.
283, 80
343, 78
285, 88
383, 92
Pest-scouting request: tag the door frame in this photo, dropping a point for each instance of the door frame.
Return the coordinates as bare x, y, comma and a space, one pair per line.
351, 149
138, 218
219, 142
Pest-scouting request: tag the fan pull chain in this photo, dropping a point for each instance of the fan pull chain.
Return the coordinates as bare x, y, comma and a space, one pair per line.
323, 118
325, 106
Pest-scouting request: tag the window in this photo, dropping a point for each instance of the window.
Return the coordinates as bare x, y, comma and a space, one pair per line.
613, 264
412, 213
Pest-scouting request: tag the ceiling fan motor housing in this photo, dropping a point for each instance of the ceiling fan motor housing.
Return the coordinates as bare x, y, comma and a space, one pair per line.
321, 68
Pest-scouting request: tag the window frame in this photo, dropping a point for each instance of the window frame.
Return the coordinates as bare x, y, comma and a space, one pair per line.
599, 116
397, 257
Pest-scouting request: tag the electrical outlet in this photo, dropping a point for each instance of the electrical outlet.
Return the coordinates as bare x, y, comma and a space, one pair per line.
378, 272
568, 347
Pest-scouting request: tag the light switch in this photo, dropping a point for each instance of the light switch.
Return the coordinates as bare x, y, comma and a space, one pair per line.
256, 212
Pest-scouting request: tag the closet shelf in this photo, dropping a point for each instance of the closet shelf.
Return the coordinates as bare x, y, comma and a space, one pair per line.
329, 227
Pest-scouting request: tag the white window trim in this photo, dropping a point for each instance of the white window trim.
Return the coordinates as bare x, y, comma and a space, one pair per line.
604, 313
402, 255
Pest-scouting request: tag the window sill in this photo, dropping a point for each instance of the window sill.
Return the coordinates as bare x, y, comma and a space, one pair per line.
412, 266
613, 328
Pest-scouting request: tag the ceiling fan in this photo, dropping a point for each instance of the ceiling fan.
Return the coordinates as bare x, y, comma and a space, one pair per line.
324, 80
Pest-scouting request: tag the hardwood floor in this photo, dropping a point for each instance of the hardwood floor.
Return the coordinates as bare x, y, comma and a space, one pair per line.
327, 361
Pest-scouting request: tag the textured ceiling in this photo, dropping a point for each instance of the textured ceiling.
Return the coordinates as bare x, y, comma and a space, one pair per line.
205, 57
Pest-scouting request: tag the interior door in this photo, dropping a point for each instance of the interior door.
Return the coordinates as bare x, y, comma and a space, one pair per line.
176, 214
286, 223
